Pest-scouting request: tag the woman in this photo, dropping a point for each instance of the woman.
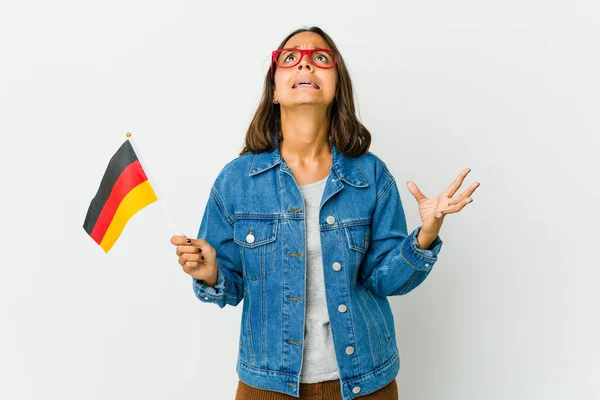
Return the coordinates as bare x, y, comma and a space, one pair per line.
307, 226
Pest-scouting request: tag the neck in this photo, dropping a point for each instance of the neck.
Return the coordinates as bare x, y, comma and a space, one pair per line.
305, 131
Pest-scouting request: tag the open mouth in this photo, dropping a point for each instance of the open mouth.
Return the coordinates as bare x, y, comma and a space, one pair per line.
306, 84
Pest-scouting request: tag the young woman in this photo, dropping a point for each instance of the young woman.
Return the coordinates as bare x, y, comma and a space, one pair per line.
306, 225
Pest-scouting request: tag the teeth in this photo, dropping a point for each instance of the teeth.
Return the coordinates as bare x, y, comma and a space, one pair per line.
307, 83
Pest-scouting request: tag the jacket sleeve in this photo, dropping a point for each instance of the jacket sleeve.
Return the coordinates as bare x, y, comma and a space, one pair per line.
217, 229
394, 264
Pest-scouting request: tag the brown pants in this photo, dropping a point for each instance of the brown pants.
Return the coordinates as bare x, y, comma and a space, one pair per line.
328, 390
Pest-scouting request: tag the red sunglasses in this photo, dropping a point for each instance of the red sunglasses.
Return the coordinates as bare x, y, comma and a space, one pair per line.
319, 57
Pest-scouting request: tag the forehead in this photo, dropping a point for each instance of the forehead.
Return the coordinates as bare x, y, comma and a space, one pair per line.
306, 40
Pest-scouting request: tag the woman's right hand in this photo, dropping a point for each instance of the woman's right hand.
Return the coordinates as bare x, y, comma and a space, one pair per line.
197, 258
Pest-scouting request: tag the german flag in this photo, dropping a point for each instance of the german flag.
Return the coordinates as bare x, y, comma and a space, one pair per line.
124, 190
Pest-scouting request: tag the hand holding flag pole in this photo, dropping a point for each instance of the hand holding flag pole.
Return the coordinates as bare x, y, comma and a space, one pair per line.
125, 189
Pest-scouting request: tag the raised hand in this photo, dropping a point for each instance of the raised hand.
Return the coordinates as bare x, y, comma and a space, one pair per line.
434, 209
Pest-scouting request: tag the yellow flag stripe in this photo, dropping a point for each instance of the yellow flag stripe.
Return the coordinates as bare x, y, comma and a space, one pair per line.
138, 198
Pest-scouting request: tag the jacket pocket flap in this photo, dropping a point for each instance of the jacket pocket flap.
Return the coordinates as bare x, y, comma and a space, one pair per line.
255, 232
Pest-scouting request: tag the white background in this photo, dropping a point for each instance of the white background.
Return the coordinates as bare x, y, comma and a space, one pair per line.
506, 88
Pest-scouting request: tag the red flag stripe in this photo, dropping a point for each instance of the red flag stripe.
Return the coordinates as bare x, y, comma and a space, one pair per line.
131, 176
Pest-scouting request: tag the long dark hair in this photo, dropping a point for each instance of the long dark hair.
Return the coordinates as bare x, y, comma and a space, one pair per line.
347, 133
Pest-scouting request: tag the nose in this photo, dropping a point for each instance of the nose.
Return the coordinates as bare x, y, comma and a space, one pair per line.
306, 62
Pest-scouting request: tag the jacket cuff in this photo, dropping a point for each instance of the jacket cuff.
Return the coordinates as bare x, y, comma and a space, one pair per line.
420, 259
210, 294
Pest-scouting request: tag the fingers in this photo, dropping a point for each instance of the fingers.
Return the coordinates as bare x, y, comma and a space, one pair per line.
187, 243
191, 268
192, 261
194, 258
464, 194
179, 239
183, 245
201, 243
179, 250
413, 188
457, 207
206, 249
457, 182
184, 240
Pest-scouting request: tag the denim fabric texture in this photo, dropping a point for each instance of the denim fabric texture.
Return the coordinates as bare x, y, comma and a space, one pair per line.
254, 218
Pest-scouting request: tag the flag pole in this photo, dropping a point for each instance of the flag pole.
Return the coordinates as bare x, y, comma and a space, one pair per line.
152, 181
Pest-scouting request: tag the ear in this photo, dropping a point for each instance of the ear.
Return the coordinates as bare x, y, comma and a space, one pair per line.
275, 96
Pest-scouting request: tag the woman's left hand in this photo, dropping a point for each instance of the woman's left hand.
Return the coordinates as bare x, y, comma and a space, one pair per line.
433, 210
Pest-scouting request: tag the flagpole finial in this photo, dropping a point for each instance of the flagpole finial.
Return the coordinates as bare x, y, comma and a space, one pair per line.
128, 135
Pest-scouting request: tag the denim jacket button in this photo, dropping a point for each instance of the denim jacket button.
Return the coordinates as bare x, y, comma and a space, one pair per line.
356, 389
342, 308
349, 350
337, 266
330, 220
250, 238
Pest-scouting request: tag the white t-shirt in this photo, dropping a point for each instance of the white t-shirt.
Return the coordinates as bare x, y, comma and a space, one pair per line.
318, 362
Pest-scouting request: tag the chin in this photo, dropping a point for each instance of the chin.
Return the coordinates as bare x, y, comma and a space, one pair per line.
310, 100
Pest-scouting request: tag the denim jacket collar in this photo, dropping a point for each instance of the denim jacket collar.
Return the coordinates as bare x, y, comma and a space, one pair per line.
346, 168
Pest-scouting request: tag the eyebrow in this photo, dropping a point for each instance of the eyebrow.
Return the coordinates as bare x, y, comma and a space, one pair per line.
314, 47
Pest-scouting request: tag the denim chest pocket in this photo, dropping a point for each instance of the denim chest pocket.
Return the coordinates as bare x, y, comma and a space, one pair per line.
358, 236
257, 242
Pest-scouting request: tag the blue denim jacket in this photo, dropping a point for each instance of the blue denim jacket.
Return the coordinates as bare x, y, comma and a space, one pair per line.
255, 220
